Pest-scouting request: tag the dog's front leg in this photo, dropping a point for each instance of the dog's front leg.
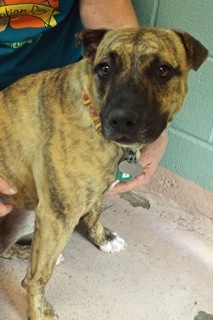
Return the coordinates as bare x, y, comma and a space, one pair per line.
104, 238
50, 236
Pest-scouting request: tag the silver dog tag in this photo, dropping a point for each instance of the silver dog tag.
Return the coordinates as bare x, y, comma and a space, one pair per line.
131, 168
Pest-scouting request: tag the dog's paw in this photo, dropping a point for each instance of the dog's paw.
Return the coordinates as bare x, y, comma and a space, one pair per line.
115, 245
17, 252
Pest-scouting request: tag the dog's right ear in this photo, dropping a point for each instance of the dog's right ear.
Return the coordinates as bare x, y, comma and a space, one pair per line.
196, 52
90, 40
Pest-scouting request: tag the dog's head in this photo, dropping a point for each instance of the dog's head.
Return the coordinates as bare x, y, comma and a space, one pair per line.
139, 78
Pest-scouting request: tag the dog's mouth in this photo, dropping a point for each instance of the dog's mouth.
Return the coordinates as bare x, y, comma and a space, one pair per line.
133, 137
126, 143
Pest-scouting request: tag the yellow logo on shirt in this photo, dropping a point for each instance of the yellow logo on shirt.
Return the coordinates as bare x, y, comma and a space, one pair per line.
38, 14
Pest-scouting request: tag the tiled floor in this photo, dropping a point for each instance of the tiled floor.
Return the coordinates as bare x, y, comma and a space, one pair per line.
165, 272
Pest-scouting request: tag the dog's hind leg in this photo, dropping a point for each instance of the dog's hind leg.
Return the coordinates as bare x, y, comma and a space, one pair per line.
17, 225
16, 231
105, 239
51, 234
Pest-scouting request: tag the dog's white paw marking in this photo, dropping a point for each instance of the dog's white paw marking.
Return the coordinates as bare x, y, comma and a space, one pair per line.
116, 245
59, 260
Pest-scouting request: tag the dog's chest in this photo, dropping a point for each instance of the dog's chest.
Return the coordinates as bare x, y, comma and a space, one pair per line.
100, 169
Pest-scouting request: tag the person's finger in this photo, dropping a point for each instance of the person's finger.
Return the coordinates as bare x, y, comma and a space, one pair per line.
5, 209
126, 186
5, 187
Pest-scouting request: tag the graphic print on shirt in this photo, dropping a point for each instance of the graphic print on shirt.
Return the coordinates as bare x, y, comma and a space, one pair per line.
19, 14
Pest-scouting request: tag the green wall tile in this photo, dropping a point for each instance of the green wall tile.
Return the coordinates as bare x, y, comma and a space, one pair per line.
190, 158
190, 148
193, 16
196, 116
146, 11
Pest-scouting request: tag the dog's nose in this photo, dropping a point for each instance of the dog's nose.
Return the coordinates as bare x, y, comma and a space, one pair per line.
123, 120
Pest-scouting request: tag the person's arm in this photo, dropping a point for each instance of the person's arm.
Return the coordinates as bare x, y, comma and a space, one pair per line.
107, 14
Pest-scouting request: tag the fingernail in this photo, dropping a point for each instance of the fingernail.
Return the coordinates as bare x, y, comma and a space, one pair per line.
12, 191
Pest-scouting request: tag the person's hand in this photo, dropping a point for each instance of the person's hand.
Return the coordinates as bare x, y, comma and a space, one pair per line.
150, 157
5, 189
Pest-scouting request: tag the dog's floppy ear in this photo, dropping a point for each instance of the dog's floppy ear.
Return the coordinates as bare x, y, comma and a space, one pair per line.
90, 40
196, 52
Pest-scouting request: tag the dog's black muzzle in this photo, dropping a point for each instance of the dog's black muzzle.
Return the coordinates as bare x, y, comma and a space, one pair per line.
132, 117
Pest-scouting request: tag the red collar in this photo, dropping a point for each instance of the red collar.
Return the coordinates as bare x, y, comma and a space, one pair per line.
95, 117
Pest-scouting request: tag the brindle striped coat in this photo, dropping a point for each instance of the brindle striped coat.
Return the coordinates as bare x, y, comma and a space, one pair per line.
52, 154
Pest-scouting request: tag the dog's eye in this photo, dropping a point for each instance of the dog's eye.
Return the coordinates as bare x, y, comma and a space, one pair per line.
104, 70
163, 71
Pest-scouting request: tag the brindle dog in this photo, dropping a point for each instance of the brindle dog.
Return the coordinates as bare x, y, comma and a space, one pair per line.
51, 152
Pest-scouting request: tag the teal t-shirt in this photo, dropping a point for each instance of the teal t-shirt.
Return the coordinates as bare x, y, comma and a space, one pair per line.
37, 35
